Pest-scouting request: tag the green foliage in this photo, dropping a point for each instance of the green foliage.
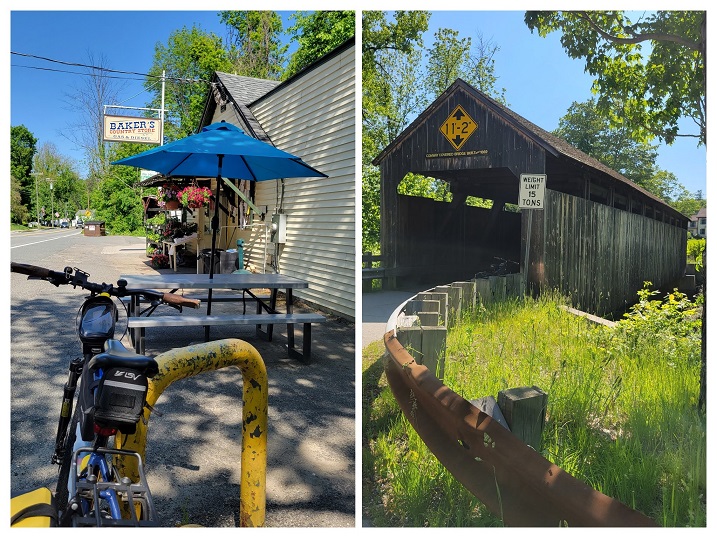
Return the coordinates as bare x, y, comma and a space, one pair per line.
317, 34
646, 88
189, 59
622, 413
391, 91
673, 323
425, 187
22, 151
397, 85
255, 49
695, 252
18, 212
584, 128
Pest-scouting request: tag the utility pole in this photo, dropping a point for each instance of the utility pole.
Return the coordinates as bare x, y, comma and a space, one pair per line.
37, 198
52, 194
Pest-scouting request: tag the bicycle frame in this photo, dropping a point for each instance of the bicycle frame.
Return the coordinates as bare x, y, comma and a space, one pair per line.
101, 408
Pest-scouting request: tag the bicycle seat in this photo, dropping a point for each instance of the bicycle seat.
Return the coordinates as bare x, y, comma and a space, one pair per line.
116, 355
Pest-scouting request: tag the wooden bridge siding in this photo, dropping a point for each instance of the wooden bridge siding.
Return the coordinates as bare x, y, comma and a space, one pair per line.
601, 256
440, 238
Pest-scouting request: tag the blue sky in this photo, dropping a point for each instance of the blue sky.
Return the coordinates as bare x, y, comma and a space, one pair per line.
541, 81
124, 39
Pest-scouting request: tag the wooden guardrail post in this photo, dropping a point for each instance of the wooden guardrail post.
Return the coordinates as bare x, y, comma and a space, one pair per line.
442, 299
483, 294
524, 411
454, 302
427, 346
468, 294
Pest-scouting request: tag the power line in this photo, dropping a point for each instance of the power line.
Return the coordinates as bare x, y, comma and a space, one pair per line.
73, 64
69, 72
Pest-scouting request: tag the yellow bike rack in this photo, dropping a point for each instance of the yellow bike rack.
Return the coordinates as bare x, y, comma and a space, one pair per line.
193, 360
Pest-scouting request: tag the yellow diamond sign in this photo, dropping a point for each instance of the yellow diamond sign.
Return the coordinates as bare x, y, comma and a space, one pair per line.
458, 127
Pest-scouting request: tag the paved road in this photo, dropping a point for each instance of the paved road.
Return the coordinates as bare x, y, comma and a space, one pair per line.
193, 451
377, 308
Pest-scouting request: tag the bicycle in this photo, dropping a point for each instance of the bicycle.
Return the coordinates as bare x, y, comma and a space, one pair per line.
113, 384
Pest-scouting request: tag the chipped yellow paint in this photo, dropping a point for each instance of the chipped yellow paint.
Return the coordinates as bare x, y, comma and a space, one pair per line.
189, 361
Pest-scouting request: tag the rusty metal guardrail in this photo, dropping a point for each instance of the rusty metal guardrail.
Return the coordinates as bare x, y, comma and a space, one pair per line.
189, 361
514, 481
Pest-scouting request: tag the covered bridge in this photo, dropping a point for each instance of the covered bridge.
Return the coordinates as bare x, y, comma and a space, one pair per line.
595, 235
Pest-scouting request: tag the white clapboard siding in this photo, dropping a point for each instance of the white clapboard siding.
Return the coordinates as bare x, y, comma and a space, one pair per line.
313, 117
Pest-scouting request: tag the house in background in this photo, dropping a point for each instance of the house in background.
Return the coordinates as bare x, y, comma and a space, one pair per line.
698, 224
300, 227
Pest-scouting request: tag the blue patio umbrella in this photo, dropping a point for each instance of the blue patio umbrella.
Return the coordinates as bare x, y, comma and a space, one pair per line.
222, 150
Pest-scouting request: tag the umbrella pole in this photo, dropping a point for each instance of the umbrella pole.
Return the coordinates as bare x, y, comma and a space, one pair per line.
215, 227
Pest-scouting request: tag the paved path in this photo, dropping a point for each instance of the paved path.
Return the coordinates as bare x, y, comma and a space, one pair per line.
194, 448
377, 308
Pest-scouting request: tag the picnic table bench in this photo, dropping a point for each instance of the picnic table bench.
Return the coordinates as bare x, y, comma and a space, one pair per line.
264, 318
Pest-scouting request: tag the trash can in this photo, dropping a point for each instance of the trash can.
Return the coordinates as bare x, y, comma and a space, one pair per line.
205, 255
94, 228
228, 261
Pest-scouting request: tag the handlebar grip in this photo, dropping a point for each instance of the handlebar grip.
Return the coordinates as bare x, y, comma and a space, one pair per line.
180, 300
33, 270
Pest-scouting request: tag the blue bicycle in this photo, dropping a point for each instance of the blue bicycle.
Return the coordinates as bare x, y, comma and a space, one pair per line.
113, 384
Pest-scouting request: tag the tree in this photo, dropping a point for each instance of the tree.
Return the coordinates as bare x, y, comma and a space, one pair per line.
317, 34
67, 193
254, 46
188, 60
87, 101
22, 151
18, 212
446, 59
117, 199
390, 52
585, 129
648, 88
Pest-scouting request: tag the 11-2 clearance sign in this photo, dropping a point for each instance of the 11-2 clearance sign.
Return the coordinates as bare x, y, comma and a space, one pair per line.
132, 129
532, 191
458, 127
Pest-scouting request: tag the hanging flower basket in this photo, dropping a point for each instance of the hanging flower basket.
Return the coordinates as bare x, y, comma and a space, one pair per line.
169, 196
195, 197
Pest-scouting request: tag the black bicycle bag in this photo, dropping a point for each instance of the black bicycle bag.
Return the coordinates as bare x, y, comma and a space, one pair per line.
120, 398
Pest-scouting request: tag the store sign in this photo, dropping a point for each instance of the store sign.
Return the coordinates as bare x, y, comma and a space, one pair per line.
532, 191
146, 174
132, 129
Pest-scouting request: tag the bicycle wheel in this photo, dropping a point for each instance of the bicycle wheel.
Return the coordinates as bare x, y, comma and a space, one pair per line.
62, 492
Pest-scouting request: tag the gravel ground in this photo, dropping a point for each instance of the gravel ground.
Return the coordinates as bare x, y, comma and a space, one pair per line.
193, 451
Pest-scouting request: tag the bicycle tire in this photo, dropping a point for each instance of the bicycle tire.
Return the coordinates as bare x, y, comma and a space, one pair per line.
62, 492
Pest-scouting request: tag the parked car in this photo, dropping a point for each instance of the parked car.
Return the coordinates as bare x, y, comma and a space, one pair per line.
79, 224
64, 224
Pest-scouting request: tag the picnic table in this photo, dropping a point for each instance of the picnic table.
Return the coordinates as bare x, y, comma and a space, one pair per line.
266, 313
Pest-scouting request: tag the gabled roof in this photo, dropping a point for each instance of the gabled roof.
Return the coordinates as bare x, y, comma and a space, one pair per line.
552, 144
242, 92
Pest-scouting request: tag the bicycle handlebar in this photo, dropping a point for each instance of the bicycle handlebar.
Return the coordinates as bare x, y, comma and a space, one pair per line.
80, 279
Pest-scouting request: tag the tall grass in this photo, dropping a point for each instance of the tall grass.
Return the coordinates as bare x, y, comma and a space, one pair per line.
622, 411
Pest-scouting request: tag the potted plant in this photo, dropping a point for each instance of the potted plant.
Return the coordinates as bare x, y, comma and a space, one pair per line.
169, 196
160, 261
195, 197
